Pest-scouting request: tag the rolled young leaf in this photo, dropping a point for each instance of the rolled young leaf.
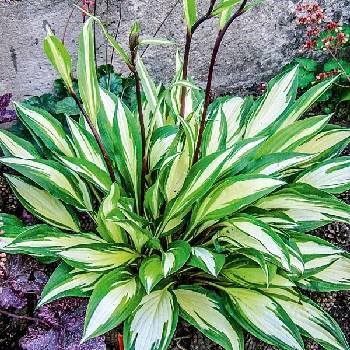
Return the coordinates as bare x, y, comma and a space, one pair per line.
59, 57
151, 272
86, 72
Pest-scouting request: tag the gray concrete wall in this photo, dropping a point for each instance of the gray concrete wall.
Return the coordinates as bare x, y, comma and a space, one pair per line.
257, 45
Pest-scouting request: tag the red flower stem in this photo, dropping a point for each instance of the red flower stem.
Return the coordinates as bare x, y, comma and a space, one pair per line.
215, 51
120, 341
188, 42
339, 64
142, 128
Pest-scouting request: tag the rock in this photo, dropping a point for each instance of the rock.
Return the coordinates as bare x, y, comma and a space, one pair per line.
257, 45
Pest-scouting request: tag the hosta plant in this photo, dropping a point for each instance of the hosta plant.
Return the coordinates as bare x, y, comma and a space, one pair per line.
202, 209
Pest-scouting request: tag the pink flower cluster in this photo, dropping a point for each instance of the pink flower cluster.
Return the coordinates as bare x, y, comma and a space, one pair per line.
312, 16
87, 4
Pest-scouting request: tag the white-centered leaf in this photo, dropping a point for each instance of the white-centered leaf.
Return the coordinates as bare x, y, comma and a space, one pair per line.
114, 298
175, 257
86, 71
288, 138
59, 57
152, 325
151, 272
50, 175
248, 232
204, 310
43, 205
47, 240
231, 195
311, 319
46, 127
332, 278
332, 176
128, 146
280, 94
264, 318
207, 260
307, 206
298, 108
12, 145
85, 145
98, 256
66, 281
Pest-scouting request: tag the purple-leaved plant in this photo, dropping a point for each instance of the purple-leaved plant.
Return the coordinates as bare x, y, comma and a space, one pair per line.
61, 328
20, 277
6, 115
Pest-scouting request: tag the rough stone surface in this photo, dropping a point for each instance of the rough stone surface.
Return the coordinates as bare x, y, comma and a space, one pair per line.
257, 45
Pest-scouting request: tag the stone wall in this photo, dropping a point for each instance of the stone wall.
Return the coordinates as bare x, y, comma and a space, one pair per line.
257, 45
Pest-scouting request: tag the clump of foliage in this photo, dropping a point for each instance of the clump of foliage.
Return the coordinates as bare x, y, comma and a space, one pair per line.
202, 209
333, 39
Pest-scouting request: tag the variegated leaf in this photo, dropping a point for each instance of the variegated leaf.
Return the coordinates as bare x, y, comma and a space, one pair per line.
203, 309
98, 256
234, 109
249, 274
175, 257
311, 319
307, 206
46, 127
332, 278
215, 133
50, 175
59, 57
43, 205
264, 318
241, 154
66, 281
290, 137
47, 240
128, 146
199, 180
151, 272
152, 325
89, 171
248, 232
85, 145
86, 71
161, 140
326, 144
278, 164
114, 298
232, 195
298, 108
280, 94
207, 260
12, 145
108, 229
332, 176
